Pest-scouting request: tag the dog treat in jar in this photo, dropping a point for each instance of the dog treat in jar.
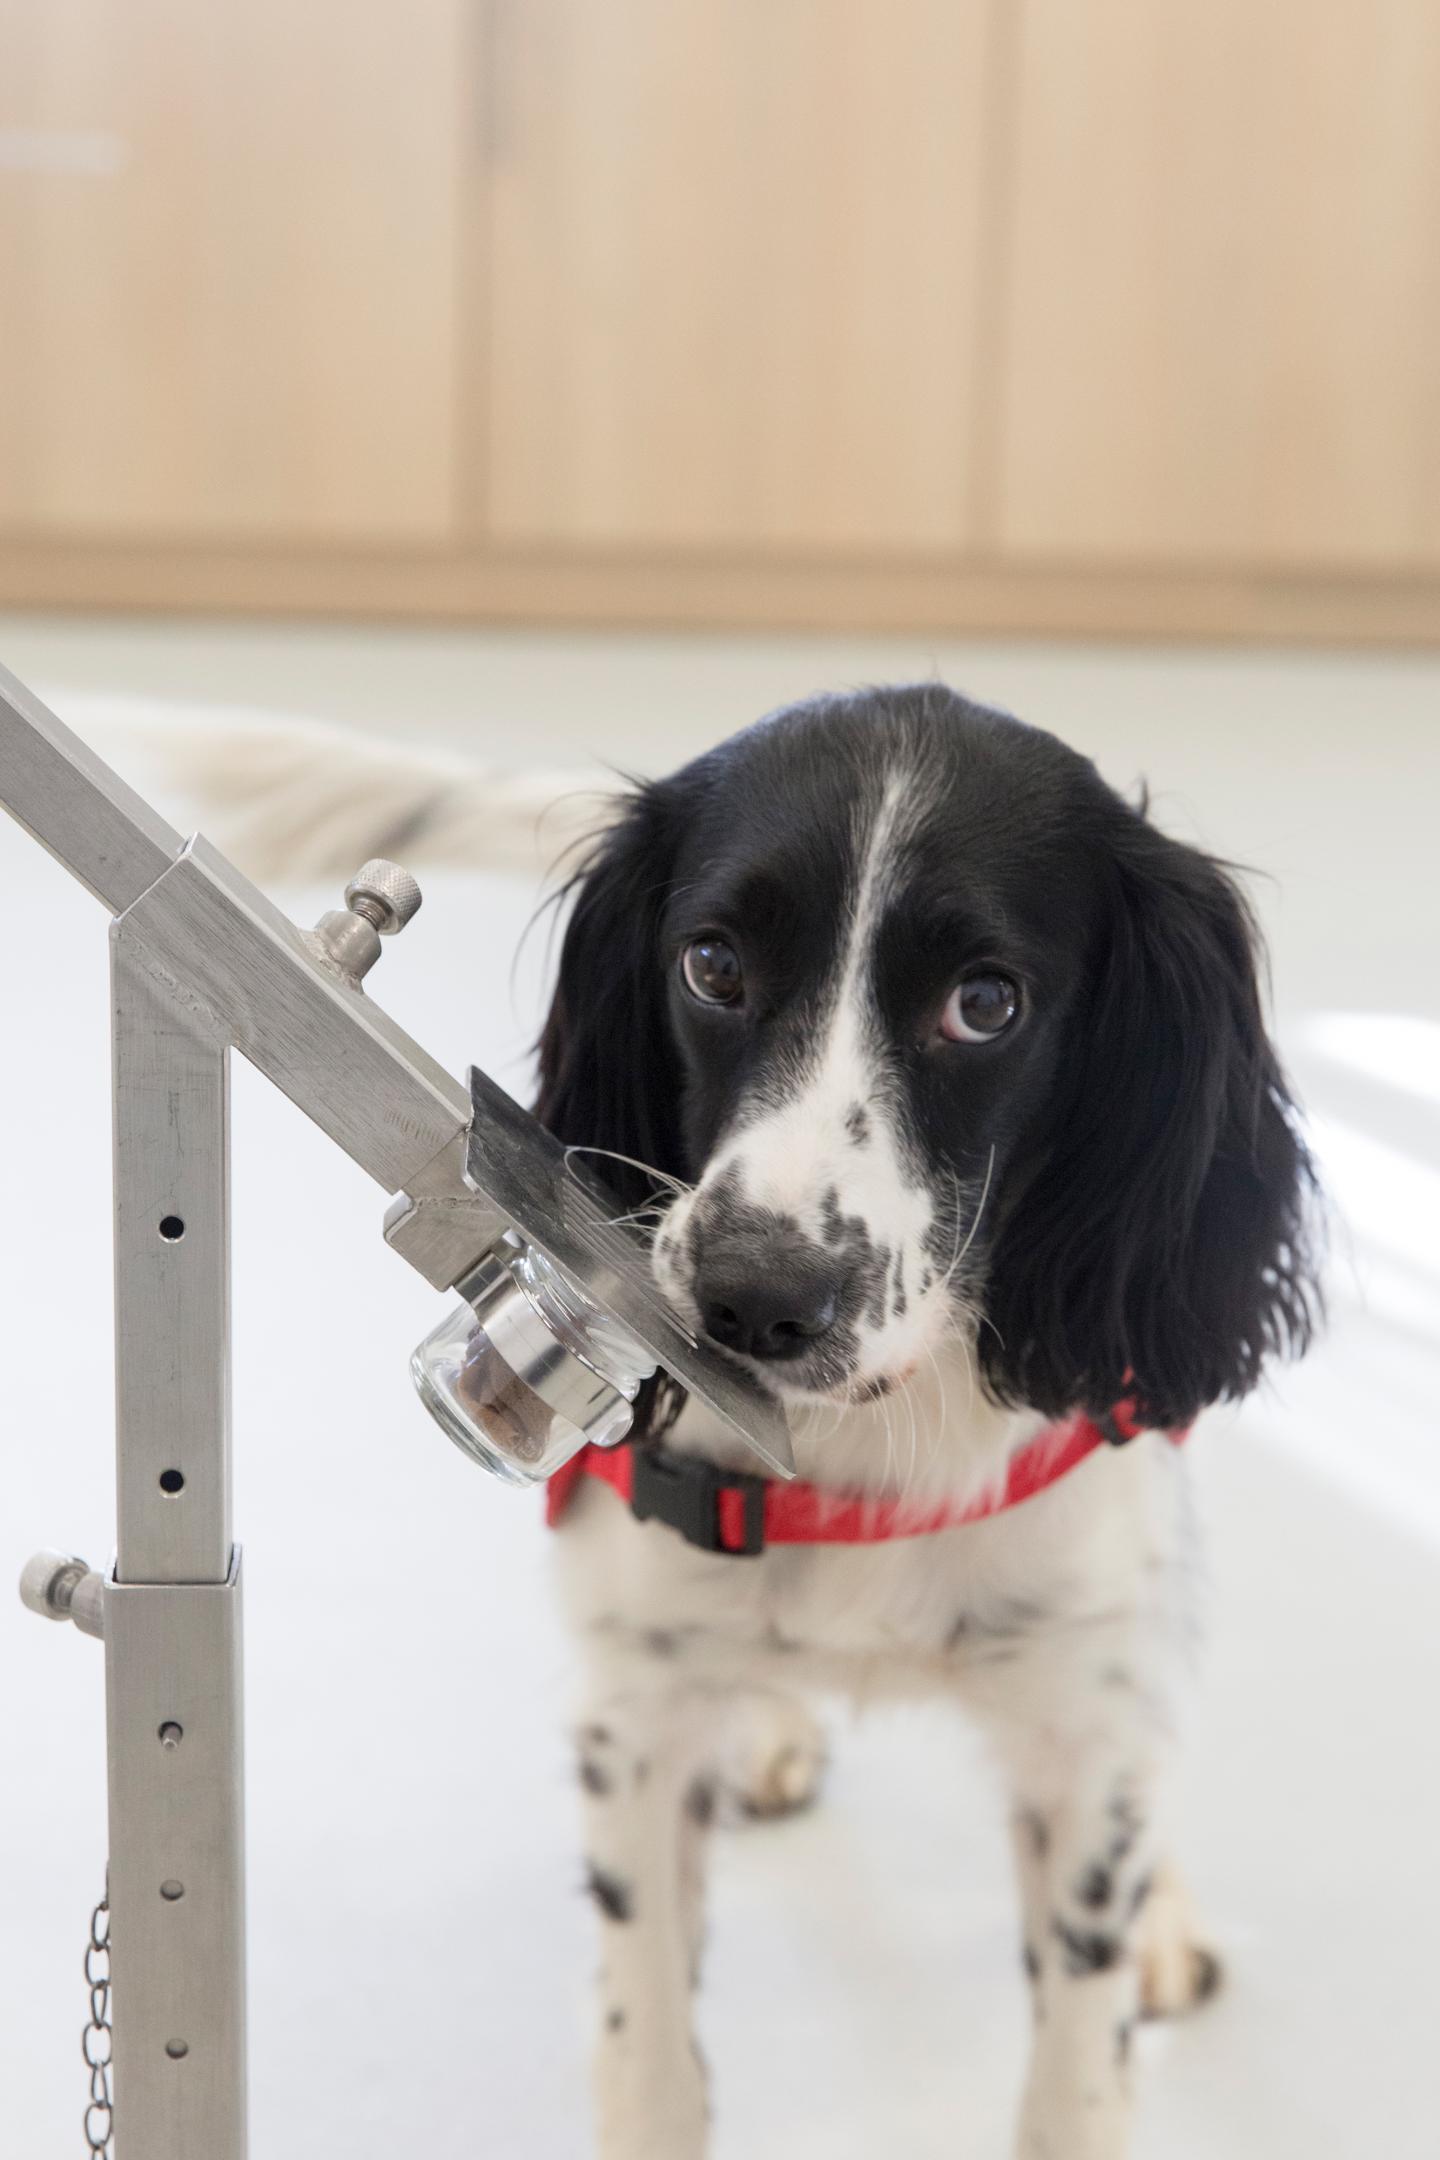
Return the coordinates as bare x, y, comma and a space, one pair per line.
528, 1371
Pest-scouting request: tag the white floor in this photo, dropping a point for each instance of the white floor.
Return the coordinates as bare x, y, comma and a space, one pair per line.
419, 1949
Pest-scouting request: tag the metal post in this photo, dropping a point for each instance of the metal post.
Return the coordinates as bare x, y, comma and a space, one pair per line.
172, 1603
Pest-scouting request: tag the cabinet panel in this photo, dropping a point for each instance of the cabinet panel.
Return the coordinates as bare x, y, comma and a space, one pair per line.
229, 261
1222, 328
734, 247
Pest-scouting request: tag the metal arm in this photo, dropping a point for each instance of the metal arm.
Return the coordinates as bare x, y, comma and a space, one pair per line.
103, 832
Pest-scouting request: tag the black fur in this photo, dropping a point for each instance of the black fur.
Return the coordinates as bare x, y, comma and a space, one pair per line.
1086, 1950
1161, 1232
1148, 1227
614, 1898
609, 1077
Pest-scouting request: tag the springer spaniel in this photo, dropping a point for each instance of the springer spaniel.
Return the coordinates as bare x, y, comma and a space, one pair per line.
945, 1075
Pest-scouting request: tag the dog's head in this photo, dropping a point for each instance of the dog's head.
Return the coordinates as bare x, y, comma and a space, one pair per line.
937, 1032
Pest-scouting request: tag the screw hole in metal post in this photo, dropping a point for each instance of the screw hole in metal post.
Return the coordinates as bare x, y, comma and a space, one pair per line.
177, 2050
172, 1481
171, 1890
171, 1734
172, 1228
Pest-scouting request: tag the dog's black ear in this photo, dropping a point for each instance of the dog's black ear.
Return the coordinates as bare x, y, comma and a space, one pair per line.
609, 1078
1161, 1244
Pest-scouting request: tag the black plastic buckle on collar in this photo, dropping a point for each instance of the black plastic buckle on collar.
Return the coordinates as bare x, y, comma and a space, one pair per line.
683, 1491
1108, 1425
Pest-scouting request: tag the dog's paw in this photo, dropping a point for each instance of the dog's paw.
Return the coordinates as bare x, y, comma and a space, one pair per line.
775, 1763
1178, 1969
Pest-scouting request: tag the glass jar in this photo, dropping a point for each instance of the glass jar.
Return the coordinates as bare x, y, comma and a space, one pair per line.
528, 1369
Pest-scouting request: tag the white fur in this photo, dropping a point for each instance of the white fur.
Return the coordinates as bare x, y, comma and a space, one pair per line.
789, 1154
1061, 1626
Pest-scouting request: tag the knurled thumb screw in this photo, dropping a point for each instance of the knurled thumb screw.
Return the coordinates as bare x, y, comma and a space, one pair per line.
384, 894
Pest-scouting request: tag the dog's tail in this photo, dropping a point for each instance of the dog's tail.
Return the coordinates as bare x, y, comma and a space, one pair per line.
301, 800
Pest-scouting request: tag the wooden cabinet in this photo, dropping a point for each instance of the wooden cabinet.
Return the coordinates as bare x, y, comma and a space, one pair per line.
229, 266
996, 315
1221, 336
734, 285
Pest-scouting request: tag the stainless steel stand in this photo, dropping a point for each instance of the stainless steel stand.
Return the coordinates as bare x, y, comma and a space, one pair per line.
200, 961
203, 963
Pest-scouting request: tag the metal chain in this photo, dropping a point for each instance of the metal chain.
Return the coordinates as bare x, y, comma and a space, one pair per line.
96, 2041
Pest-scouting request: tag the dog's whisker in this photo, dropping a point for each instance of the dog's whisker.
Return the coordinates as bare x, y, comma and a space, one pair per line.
974, 1220
894, 1466
633, 1162
938, 1421
934, 1420
979, 1206
891, 1466
908, 1398
652, 1209
959, 1212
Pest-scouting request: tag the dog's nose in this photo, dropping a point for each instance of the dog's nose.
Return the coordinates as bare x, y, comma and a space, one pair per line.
770, 1315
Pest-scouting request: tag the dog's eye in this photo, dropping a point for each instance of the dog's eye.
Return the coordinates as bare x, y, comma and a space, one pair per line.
978, 1008
712, 973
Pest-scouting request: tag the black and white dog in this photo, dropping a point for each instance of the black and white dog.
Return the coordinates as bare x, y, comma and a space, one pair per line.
950, 1073
945, 1077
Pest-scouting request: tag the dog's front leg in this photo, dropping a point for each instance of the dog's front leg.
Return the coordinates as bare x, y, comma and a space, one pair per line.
648, 1801
1085, 1869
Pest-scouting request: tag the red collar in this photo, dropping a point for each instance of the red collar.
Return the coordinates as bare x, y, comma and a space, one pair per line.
739, 1513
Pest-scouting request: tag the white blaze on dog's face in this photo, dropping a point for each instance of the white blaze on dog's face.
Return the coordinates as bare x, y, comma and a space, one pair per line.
942, 1036
817, 1239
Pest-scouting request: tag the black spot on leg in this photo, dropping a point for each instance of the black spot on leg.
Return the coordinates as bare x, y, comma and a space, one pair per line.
1128, 1823
615, 2021
1096, 1887
1140, 1892
614, 1898
997, 1631
595, 1778
661, 1642
1206, 1974
1031, 1958
1034, 1828
1086, 1950
857, 1124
